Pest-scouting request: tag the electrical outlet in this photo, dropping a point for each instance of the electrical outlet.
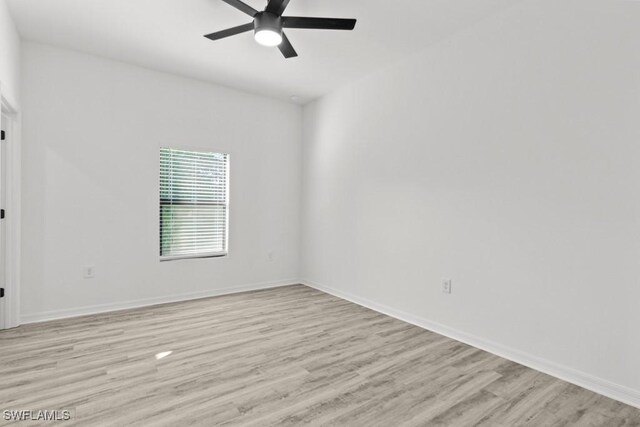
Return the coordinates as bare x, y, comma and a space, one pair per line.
446, 286
89, 272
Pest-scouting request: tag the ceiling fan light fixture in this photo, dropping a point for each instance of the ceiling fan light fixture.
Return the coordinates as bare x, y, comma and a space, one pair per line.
268, 29
268, 37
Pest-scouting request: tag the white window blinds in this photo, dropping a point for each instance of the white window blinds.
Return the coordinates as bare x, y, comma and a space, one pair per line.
194, 203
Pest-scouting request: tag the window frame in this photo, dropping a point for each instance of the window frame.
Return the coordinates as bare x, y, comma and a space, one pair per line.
203, 255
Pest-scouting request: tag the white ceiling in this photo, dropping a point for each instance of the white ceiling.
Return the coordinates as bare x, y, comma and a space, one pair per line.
167, 35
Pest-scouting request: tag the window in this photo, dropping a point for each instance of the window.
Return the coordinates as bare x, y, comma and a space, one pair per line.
194, 204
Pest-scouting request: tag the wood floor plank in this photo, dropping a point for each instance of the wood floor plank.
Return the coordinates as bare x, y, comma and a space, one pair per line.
283, 356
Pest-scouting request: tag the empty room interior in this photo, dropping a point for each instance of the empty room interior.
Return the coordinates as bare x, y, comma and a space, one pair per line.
338, 212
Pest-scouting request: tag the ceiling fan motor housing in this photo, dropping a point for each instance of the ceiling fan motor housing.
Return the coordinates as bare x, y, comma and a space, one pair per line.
265, 21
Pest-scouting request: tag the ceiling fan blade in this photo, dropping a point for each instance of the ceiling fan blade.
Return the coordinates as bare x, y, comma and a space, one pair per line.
285, 47
230, 31
242, 7
277, 6
318, 23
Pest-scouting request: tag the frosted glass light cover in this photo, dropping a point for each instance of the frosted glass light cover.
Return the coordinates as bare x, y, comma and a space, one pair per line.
268, 38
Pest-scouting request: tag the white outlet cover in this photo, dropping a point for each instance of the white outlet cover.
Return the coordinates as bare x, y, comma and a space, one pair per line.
89, 272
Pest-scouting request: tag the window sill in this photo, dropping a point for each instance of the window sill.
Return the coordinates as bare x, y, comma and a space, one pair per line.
193, 256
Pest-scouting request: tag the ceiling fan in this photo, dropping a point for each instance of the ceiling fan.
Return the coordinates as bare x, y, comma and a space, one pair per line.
268, 25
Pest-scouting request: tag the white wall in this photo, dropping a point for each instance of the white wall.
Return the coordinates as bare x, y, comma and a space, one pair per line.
508, 159
92, 133
9, 57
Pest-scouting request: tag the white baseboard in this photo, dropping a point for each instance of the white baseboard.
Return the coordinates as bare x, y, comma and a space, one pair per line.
103, 308
598, 385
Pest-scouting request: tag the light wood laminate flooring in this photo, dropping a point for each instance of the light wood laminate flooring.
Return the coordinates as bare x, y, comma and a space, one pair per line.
286, 356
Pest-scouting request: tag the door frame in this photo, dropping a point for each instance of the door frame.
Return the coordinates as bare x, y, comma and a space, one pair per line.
12, 163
